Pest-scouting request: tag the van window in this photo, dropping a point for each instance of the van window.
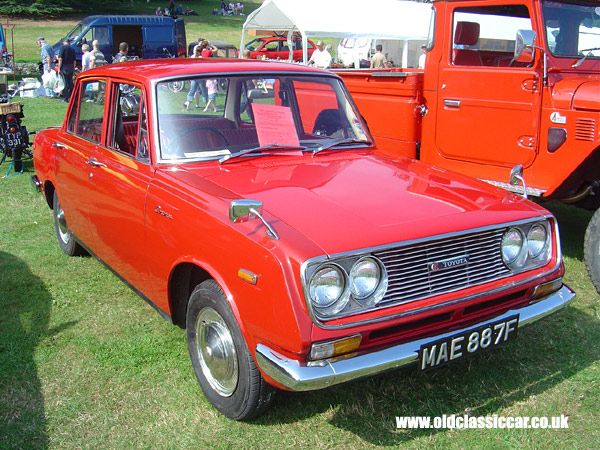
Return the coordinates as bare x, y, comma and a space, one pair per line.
159, 34
101, 34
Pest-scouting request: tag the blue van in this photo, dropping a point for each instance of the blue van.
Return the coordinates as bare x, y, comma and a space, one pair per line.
147, 36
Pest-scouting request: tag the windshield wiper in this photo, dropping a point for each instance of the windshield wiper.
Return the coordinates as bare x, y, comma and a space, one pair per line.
342, 141
260, 149
589, 50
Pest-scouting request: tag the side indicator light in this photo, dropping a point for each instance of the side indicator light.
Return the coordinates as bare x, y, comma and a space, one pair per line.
248, 276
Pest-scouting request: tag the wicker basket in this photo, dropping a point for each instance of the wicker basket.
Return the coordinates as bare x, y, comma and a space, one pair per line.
10, 108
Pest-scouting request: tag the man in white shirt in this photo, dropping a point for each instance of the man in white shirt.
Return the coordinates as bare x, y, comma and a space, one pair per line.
422, 57
321, 57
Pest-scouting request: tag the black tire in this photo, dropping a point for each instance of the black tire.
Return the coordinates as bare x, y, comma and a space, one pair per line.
591, 249
222, 363
66, 240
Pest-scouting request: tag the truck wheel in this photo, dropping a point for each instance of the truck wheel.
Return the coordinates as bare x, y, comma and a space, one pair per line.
66, 241
222, 363
591, 249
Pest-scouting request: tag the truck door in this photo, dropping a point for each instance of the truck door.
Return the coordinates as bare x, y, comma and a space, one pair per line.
157, 38
488, 104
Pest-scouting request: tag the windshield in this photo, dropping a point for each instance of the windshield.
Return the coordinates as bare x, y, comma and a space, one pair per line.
573, 29
212, 118
76, 32
253, 45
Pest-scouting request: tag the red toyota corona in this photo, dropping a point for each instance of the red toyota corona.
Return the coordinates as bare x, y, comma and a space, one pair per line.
266, 223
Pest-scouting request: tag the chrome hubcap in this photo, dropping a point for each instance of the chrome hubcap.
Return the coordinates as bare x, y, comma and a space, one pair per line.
63, 229
216, 352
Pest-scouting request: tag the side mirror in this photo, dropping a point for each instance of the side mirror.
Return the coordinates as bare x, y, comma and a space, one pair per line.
240, 210
525, 46
516, 178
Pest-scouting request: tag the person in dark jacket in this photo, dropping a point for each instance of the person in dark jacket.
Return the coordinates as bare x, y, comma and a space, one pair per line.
66, 67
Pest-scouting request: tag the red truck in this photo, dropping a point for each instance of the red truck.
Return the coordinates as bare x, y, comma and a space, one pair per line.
505, 83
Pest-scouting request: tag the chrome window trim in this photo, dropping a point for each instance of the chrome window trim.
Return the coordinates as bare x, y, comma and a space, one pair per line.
362, 252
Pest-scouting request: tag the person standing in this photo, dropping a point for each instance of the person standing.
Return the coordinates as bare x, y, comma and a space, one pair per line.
321, 57
378, 60
85, 57
122, 55
196, 85
212, 87
66, 67
47, 56
422, 57
97, 57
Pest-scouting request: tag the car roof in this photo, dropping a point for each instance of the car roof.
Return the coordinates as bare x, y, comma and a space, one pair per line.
147, 70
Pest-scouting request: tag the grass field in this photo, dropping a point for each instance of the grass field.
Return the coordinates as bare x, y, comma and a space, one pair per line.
86, 364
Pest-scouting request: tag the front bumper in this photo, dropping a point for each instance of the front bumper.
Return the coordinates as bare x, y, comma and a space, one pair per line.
305, 376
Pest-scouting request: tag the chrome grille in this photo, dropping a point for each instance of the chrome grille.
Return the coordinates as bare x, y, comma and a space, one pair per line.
410, 277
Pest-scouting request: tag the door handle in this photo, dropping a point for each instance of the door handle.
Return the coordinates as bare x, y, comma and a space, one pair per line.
95, 163
452, 103
59, 145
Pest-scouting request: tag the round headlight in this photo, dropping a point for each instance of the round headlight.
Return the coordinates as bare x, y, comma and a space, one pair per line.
364, 278
536, 240
327, 288
512, 245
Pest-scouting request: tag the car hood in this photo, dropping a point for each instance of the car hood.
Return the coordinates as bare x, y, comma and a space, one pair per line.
348, 201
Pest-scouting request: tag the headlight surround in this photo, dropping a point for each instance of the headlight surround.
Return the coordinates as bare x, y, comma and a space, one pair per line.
328, 289
527, 246
354, 283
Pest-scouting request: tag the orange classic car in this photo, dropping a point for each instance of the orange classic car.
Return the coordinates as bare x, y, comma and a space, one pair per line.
266, 223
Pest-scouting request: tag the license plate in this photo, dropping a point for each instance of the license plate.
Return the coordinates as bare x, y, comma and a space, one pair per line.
467, 343
13, 139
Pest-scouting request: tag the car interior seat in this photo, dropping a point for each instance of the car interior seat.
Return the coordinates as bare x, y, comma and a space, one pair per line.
466, 33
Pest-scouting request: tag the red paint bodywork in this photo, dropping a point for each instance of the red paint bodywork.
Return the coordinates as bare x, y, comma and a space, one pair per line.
498, 116
320, 205
276, 48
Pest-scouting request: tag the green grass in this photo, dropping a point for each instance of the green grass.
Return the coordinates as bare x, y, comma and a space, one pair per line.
86, 364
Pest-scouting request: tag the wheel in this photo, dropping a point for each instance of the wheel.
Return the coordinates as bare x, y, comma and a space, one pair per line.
222, 363
66, 241
591, 249
176, 86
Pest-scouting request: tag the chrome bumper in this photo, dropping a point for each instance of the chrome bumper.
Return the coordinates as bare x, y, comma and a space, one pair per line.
37, 184
305, 376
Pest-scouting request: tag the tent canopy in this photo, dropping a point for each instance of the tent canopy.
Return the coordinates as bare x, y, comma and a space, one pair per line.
379, 19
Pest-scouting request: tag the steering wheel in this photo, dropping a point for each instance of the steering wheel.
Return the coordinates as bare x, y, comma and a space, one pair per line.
168, 148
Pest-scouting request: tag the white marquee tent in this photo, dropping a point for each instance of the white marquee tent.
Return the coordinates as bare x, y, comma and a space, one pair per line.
377, 19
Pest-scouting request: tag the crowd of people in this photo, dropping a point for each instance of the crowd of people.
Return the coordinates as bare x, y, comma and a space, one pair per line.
64, 62
230, 9
175, 11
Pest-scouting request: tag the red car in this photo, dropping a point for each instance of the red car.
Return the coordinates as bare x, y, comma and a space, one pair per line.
266, 223
277, 48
